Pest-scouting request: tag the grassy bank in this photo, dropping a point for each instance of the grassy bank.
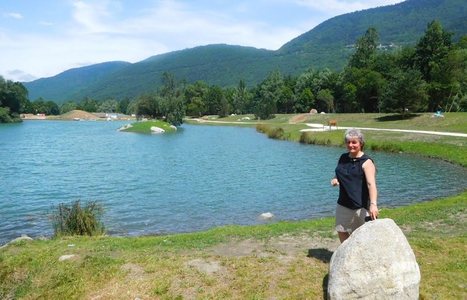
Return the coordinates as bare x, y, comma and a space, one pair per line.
449, 148
283, 260
279, 260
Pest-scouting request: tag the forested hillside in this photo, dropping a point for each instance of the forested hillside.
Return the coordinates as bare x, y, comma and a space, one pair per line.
71, 83
329, 45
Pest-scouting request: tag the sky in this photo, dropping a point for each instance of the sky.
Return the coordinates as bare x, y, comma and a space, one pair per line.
46, 37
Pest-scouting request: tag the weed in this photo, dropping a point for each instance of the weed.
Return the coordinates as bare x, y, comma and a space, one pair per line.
75, 219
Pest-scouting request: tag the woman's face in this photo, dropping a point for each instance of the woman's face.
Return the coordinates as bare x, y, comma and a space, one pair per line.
353, 145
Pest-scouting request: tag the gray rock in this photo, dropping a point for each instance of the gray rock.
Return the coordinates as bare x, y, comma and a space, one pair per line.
375, 262
66, 257
23, 237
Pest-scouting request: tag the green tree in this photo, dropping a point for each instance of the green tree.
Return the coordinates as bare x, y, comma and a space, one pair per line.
431, 49
173, 110
287, 101
194, 96
44, 107
13, 95
241, 98
430, 59
365, 52
171, 102
268, 94
325, 101
123, 105
68, 106
215, 101
348, 102
406, 91
88, 104
368, 84
305, 101
108, 106
148, 105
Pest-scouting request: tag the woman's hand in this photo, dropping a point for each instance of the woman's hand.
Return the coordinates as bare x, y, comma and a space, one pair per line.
334, 182
373, 210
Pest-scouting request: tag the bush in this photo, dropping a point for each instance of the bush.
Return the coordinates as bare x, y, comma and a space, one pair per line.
271, 131
75, 219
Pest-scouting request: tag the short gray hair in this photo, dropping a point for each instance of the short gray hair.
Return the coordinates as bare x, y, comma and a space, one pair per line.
354, 133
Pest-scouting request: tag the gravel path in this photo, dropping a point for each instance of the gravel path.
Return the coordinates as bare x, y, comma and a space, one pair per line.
321, 127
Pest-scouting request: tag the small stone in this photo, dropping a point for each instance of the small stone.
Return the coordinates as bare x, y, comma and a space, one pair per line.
66, 257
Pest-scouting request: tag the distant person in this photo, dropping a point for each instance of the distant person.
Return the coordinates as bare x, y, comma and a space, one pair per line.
356, 178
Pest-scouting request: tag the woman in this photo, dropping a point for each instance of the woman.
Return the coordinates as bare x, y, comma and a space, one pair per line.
356, 178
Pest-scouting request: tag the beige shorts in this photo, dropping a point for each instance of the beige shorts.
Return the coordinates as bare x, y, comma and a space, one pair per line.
347, 220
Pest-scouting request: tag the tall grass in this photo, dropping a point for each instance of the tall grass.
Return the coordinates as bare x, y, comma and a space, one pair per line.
309, 138
273, 132
77, 219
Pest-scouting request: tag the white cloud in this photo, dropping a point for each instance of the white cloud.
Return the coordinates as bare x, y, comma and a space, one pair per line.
89, 16
46, 23
14, 15
19, 75
338, 7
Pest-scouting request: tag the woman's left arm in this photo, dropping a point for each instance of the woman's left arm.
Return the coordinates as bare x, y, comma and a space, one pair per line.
370, 174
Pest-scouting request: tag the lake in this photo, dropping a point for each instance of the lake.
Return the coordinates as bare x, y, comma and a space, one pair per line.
195, 179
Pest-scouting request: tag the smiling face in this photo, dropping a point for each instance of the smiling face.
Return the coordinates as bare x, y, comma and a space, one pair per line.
354, 146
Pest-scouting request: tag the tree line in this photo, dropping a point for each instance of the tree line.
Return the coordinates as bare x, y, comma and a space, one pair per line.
429, 76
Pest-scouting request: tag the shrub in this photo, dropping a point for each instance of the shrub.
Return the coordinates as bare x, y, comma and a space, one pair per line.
271, 131
263, 128
276, 133
75, 219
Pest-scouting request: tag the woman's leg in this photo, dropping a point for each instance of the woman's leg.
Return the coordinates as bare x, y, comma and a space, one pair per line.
343, 236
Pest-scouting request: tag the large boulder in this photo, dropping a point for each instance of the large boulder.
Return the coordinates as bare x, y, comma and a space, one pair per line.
375, 262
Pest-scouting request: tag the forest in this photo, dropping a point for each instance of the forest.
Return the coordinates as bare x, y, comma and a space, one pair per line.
429, 76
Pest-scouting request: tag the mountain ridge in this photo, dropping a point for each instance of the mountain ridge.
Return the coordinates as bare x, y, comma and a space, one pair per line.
324, 46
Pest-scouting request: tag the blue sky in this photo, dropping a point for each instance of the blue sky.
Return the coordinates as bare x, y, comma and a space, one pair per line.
46, 37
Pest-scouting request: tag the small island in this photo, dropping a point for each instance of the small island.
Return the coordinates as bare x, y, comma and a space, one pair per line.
150, 127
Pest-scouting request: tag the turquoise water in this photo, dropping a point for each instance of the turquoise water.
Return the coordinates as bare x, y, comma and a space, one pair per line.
197, 178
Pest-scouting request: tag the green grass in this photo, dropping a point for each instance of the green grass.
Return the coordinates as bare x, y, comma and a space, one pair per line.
145, 126
162, 266
274, 262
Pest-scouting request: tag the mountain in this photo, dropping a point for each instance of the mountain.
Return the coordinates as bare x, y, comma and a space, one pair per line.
71, 83
328, 45
212, 63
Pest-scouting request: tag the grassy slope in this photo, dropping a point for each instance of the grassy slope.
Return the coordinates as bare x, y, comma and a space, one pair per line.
164, 267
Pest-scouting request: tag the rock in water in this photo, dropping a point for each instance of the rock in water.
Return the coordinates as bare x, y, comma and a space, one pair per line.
266, 216
375, 262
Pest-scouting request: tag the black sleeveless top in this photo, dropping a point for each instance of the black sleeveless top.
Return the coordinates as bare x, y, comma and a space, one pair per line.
353, 188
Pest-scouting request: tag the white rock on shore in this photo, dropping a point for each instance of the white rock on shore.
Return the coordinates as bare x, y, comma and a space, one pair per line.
23, 237
157, 130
